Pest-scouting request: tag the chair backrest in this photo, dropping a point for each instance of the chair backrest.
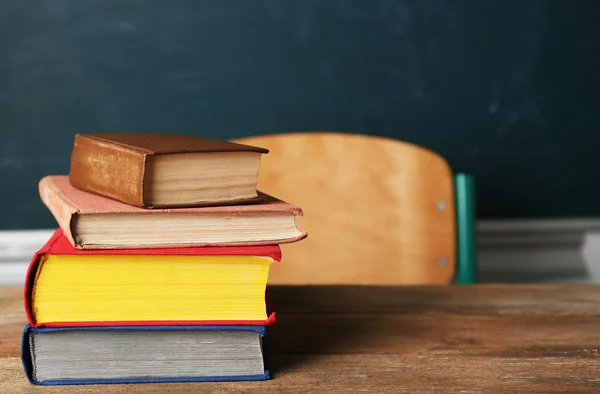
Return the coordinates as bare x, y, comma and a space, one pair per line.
377, 211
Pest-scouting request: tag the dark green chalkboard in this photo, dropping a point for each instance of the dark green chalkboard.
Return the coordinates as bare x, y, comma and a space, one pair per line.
507, 90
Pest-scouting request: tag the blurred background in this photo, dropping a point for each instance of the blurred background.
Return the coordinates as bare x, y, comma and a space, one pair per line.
505, 90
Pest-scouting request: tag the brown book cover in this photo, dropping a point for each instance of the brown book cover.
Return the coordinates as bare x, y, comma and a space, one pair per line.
69, 204
115, 164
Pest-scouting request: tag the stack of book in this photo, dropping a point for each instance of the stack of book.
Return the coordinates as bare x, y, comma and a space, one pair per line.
159, 268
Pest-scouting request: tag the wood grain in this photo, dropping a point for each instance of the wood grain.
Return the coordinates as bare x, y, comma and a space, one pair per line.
451, 339
377, 211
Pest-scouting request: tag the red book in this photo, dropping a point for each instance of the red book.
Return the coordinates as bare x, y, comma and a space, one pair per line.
66, 286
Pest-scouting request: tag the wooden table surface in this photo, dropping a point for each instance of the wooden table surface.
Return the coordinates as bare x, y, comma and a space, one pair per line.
471, 339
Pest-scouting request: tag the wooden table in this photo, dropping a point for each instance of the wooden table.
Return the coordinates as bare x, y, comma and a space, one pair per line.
484, 338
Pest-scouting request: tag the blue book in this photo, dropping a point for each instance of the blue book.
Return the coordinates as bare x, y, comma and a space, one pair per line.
143, 354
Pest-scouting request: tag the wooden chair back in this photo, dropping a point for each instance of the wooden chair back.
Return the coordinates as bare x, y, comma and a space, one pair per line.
378, 211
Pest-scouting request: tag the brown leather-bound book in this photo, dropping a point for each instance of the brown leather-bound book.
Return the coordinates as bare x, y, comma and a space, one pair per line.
165, 170
91, 221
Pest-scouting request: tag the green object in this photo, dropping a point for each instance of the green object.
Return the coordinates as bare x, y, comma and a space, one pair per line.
466, 229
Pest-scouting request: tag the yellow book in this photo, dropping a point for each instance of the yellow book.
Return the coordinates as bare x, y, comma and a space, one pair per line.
184, 286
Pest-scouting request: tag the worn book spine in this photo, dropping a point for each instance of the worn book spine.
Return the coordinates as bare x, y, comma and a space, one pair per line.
59, 205
109, 169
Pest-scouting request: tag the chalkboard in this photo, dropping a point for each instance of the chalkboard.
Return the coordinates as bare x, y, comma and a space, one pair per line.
507, 90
